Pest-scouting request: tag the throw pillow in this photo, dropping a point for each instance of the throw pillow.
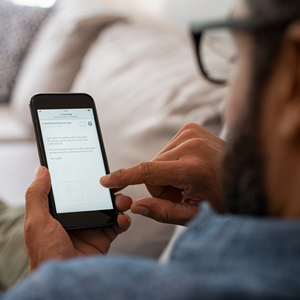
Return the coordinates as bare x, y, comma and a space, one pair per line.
56, 54
18, 25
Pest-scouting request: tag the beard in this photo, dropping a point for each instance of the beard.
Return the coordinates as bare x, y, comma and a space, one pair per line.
243, 162
243, 183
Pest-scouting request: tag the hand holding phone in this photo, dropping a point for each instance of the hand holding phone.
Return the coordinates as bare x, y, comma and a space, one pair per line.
70, 145
46, 239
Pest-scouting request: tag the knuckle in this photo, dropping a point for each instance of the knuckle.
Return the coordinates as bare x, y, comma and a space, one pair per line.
164, 216
195, 145
30, 192
30, 225
144, 168
27, 225
192, 131
161, 157
191, 126
34, 191
187, 135
119, 175
198, 142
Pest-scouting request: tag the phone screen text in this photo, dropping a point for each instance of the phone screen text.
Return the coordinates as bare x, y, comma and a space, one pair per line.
74, 159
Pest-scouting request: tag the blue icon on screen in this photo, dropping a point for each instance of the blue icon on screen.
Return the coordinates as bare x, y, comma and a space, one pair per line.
90, 123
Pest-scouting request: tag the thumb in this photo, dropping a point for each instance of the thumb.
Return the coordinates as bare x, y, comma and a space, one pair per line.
165, 211
37, 194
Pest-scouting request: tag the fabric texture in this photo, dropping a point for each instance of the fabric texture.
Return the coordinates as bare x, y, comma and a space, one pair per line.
13, 260
218, 257
55, 57
18, 26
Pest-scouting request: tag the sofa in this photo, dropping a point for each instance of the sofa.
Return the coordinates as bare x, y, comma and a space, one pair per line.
141, 71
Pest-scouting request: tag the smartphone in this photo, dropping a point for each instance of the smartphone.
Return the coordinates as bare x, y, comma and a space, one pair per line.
70, 145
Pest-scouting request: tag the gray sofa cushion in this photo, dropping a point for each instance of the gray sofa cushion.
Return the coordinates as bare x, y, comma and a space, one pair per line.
18, 25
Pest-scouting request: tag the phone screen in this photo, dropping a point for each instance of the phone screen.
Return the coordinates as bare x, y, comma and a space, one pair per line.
74, 159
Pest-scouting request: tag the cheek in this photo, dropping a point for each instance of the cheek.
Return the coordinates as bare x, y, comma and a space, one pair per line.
240, 82
236, 97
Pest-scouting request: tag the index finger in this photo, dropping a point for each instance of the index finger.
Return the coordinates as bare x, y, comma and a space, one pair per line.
153, 173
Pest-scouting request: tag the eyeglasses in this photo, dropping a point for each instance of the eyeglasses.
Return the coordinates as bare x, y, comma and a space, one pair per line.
216, 49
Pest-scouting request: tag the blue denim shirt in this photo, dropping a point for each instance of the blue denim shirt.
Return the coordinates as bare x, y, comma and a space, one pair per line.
218, 257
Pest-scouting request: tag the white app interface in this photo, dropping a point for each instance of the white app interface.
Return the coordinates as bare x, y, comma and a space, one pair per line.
74, 160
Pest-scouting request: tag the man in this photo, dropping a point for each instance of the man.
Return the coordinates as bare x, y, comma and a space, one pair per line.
253, 255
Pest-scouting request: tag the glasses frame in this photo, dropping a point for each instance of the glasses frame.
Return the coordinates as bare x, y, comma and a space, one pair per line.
249, 25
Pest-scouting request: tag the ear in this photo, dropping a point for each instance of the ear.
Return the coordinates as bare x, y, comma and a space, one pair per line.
290, 118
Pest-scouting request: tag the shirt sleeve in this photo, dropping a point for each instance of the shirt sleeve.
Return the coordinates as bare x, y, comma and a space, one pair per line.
102, 278
131, 279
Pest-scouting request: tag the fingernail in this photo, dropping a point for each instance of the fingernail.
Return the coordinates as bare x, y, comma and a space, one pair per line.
38, 172
129, 219
141, 210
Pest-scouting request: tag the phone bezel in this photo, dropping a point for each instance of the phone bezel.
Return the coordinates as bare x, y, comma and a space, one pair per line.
75, 220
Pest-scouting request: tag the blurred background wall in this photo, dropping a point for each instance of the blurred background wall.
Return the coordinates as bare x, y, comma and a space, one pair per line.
42, 3
182, 12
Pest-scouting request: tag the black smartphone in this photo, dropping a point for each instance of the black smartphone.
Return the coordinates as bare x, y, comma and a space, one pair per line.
70, 145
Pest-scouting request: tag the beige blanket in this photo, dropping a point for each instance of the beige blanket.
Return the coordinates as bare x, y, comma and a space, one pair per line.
13, 260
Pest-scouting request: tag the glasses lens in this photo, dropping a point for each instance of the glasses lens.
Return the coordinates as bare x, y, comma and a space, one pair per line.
218, 53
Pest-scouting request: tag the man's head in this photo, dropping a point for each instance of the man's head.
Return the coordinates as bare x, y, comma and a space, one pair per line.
262, 161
